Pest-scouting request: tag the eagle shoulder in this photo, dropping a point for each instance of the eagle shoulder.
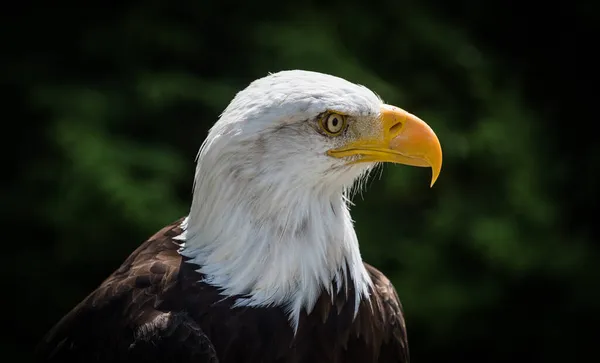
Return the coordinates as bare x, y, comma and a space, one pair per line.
387, 307
125, 318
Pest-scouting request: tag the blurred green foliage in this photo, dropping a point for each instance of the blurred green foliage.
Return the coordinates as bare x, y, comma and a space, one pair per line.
119, 101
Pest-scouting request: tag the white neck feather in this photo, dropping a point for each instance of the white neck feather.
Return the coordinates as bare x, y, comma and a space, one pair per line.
277, 245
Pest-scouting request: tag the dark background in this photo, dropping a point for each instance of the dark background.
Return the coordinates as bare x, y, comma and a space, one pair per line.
106, 106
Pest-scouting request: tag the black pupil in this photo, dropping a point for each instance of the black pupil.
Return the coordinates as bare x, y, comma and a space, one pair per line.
334, 121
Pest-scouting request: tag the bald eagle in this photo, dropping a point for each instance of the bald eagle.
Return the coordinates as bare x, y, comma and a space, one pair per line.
266, 266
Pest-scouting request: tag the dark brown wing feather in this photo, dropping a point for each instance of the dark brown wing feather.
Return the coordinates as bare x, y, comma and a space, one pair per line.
122, 320
394, 344
155, 308
377, 334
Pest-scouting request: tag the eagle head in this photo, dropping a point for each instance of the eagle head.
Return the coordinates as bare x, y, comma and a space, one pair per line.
311, 129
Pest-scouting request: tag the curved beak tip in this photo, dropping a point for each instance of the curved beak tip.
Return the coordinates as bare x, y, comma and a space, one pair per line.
435, 173
436, 164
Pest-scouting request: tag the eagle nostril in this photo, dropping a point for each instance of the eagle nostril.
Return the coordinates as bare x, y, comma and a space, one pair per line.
395, 129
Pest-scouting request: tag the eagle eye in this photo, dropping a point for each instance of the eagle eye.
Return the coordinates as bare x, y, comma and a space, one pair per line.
333, 123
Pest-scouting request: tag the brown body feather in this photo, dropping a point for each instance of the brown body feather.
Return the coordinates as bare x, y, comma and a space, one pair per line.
155, 309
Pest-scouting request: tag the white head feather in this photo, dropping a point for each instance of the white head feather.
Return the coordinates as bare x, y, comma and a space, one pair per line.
269, 218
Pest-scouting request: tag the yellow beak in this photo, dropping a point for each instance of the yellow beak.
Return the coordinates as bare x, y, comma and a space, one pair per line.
401, 138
